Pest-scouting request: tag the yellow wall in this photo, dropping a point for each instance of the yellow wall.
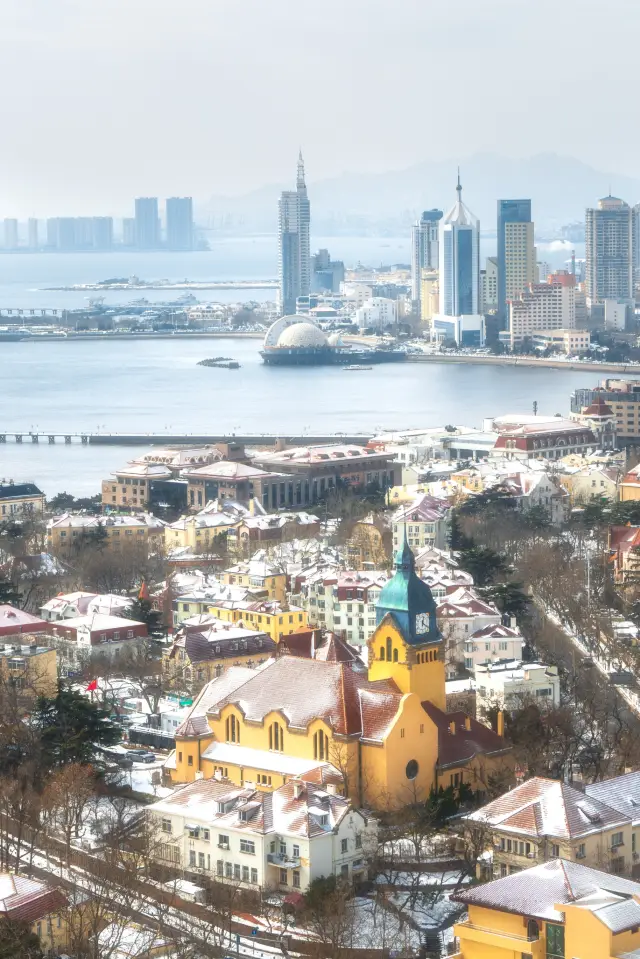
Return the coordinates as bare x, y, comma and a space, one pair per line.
174, 670
275, 625
198, 538
39, 677
275, 585
418, 670
628, 492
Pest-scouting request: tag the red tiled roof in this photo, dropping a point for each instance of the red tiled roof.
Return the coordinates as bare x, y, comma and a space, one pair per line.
459, 748
27, 900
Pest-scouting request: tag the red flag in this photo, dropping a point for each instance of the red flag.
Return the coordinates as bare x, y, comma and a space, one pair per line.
143, 593
93, 685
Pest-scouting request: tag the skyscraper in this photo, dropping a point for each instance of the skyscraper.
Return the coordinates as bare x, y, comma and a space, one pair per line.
459, 317
516, 252
102, 232
147, 223
10, 234
459, 260
294, 260
424, 248
32, 234
609, 251
179, 223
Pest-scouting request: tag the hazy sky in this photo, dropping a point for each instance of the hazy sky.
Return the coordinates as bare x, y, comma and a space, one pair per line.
106, 99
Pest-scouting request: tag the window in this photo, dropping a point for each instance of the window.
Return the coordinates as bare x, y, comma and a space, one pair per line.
165, 825
382, 653
236, 871
206, 835
389, 649
411, 770
245, 874
617, 840
555, 850
254, 876
220, 867
232, 729
296, 879
223, 841
555, 941
296, 851
192, 857
201, 860
283, 877
276, 737
344, 846
358, 841
248, 846
320, 745
581, 851
228, 870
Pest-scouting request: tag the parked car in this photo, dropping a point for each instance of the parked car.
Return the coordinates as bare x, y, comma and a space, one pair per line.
141, 755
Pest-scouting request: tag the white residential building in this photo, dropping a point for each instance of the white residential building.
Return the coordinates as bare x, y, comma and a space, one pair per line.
425, 522
342, 602
492, 643
278, 840
461, 614
72, 605
512, 684
378, 313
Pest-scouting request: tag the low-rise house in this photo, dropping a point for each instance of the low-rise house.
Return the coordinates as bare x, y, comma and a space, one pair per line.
343, 602
493, 643
198, 600
545, 819
272, 528
138, 530
202, 532
537, 489
199, 653
258, 574
269, 616
442, 580
624, 554
424, 522
72, 605
281, 840
591, 482
77, 640
14, 621
461, 614
629, 485
511, 685
20, 498
37, 905
557, 909
26, 668
622, 793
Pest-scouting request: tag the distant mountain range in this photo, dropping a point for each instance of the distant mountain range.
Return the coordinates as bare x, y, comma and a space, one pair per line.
385, 203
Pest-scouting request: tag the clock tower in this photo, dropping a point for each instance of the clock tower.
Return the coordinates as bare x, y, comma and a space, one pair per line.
406, 645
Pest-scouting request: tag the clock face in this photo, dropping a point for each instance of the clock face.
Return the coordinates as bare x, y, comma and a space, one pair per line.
422, 623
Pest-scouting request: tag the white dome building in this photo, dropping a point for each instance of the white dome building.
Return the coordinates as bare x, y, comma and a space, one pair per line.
302, 336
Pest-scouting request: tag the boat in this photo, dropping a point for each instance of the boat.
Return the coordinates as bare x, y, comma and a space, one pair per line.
11, 335
220, 363
357, 366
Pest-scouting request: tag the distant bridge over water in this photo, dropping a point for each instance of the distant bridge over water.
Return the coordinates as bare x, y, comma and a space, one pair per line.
184, 439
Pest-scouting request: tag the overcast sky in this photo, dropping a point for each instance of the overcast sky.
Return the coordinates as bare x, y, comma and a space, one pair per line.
105, 99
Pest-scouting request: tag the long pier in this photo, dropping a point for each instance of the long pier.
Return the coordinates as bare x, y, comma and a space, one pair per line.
184, 439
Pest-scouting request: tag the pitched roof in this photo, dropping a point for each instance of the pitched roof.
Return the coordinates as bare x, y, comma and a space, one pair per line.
316, 644
621, 793
27, 900
535, 892
460, 747
18, 490
545, 807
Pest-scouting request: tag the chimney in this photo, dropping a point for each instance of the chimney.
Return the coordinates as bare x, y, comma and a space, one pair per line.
467, 723
332, 789
297, 788
500, 723
217, 774
452, 728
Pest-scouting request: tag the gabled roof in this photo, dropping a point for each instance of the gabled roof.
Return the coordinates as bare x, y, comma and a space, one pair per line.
27, 900
536, 892
547, 808
459, 747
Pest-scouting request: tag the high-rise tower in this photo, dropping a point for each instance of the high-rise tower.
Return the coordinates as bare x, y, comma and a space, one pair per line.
294, 259
424, 248
516, 253
147, 223
179, 211
609, 251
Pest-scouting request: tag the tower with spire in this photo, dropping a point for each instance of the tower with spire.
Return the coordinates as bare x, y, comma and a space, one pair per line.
294, 251
458, 317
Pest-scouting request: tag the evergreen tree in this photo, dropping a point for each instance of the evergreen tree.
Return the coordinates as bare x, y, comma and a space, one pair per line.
71, 726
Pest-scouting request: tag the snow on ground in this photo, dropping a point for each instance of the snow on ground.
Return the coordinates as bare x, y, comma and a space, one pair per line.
447, 879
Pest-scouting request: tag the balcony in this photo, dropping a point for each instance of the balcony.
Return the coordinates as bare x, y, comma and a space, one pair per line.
283, 862
498, 940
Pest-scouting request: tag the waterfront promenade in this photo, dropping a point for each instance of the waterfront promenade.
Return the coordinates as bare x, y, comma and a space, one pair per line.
550, 363
178, 439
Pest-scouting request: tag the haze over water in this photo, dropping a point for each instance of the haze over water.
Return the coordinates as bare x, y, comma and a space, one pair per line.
155, 386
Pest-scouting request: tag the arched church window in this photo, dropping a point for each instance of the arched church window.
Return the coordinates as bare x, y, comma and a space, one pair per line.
382, 652
389, 649
395, 655
276, 737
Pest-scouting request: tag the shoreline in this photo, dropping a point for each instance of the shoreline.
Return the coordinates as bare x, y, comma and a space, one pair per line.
72, 335
527, 361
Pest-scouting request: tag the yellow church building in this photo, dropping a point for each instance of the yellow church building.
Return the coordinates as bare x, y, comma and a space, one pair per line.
386, 734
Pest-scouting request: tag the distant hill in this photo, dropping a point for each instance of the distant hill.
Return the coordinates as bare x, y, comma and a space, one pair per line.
560, 188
